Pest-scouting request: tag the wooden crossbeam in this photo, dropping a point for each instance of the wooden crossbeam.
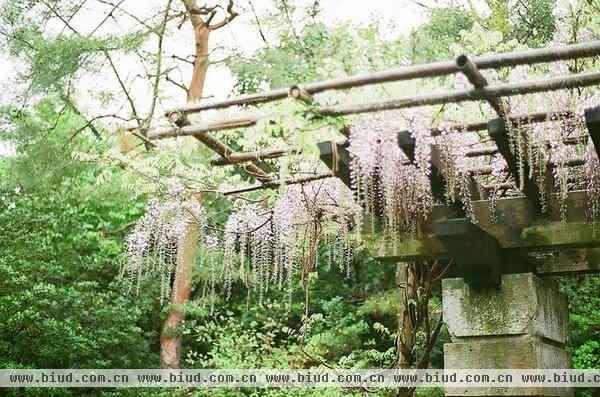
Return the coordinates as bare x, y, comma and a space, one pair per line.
336, 157
516, 227
478, 94
407, 142
499, 134
275, 184
470, 70
436, 179
438, 69
239, 157
592, 120
198, 129
224, 151
583, 260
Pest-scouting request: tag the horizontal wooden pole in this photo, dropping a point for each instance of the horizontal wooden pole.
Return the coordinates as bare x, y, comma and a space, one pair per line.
276, 184
517, 229
198, 129
494, 61
242, 157
491, 91
191, 130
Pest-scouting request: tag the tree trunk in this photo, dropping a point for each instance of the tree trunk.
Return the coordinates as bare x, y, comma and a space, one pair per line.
170, 338
196, 88
407, 321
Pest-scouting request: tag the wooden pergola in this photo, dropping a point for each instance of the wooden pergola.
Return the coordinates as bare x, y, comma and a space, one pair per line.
520, 229
521, 241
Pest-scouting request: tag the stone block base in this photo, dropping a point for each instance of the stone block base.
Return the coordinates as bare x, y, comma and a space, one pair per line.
512, 352
524, 304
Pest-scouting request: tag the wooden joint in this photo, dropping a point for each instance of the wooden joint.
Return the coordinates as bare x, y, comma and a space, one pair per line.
301, 95
473, 74
477, 254
499, 134
179, 119
407, 143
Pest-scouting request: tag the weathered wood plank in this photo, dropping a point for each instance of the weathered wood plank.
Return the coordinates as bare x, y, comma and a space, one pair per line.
408, 144
516, 228
571, 261
499, 134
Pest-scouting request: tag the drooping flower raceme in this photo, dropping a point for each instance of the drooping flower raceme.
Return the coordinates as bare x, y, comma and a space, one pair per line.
274, 244
388, 186
153, 244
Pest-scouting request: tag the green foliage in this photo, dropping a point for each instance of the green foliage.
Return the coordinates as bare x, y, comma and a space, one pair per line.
318, 52
529, 22
584, 318
433, 40
60, 305
56, 59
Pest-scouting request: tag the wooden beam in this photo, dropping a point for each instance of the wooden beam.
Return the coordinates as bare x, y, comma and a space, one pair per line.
592, 120
198, 129
491, 150
436, 69
470, 70
491, 91
436, 179
517, 228
571, 261
580, 160
336, 157
276, 184
407, 143
499, 134
242, 157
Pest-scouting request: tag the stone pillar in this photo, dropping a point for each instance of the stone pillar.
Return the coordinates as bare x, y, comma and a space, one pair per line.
521, 324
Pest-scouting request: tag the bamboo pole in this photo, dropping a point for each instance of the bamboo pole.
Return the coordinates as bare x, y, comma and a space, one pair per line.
299, 94
192, 130
225, 151
495, 61
536, 117
492, 91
